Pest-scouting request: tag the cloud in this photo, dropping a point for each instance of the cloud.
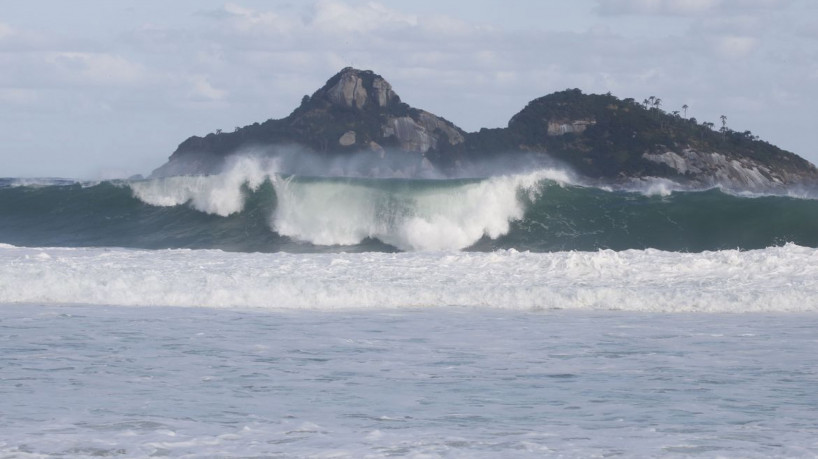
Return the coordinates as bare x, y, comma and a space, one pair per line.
686, 7
668, 7
5, 31
323, 16
15, 39
735, 46
337, 23
18, 96
247, 19
96, 68
203, 90
332, 15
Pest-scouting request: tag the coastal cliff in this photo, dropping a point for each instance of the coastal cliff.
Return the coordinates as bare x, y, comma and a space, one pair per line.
599, 136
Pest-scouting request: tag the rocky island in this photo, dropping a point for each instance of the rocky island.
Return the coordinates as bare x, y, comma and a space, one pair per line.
600, 137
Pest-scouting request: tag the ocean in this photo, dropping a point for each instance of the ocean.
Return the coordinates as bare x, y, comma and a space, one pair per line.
256, 313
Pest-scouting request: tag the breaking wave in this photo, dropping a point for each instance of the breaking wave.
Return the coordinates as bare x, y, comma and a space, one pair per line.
254, 207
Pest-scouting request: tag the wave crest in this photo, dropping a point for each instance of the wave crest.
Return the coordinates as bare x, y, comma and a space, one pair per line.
407, 214
220, 194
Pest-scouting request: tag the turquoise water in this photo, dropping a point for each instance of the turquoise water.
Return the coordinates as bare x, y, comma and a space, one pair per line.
274, 213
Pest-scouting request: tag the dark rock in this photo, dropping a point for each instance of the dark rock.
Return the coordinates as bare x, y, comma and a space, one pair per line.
600, 136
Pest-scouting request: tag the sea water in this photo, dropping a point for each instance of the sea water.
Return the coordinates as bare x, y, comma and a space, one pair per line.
257, 313
204, 353
102, 381
251, 209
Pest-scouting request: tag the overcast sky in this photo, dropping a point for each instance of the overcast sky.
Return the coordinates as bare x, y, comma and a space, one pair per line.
102, 89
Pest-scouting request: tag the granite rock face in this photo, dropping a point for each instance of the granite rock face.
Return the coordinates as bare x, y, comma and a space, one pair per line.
713, 169
349, 91
562, 127
354, 91
392, 122
421, 133
347, 139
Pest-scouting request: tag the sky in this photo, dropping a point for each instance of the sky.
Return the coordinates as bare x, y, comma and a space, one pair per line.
97, 89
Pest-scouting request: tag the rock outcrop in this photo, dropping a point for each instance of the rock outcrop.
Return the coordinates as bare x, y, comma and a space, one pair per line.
355, 111
710, 169
562, 127
616, 140
600, 136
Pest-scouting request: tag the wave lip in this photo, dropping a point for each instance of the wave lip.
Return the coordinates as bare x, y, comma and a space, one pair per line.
220, 194
780, 279
407, 214
426, 215
253, 206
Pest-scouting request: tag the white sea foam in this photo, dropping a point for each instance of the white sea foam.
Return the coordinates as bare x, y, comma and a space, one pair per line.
430, 218
655, 186
442, 216
220, 194
36, 182
773, 279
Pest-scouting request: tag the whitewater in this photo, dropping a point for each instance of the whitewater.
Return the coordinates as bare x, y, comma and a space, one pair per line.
256, 206
407, 214
263, 313
781, 279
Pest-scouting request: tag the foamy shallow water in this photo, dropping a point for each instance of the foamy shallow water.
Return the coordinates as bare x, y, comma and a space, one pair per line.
777, 279
203, 353
81, 381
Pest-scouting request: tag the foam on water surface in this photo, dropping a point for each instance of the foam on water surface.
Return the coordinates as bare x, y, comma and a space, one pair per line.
775, 279
90, 381
434, 217
214, 194
410, 215
428, 353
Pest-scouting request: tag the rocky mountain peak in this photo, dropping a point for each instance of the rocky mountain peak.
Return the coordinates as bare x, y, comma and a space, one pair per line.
358, 89
358, 110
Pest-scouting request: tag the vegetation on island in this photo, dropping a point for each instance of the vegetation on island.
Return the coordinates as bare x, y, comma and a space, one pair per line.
617, 135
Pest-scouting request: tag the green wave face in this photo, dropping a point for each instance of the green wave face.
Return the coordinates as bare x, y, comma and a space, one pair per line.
277, 213
574, 218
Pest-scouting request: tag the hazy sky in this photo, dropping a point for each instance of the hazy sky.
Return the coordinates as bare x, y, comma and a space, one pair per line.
100, 89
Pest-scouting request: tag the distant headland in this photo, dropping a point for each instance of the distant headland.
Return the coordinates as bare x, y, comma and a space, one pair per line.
598, 135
